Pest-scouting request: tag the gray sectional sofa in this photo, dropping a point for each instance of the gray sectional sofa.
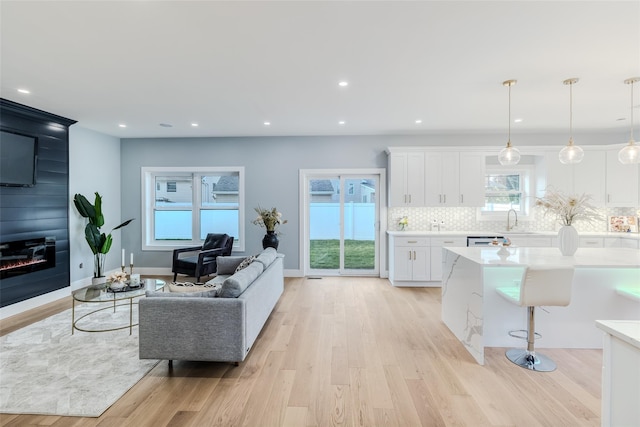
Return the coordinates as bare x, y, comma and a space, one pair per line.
218, 325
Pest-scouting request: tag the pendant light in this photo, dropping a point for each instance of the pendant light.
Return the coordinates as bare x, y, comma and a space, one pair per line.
571, 154
630, 154
509, 155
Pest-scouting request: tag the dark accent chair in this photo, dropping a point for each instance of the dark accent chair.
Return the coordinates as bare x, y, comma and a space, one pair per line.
202, 263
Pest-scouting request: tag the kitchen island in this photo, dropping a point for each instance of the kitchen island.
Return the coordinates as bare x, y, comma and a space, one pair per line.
479, 317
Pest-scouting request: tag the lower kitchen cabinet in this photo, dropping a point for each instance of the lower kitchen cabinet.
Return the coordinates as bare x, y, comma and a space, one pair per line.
417, 261
409, 261
437, 243
621, 242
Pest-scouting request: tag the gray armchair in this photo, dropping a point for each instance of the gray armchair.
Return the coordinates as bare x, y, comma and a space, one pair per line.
202, 259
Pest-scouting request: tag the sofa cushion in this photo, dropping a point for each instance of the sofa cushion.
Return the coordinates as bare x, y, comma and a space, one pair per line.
267, 256
228, 264
235, 285
212, 293
245, 263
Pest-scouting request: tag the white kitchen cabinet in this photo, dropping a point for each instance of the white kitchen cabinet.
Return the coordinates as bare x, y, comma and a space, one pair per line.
454, 179
586, 177
621, 242
591, 242
621, 182
410, 260
406, 179
472, 177
528, 241
437, 243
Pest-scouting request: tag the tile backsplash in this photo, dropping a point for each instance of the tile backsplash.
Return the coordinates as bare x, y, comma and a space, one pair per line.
466, 219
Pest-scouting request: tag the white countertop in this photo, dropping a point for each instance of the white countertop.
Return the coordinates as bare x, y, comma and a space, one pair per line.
626, 330
445, 233
584, 257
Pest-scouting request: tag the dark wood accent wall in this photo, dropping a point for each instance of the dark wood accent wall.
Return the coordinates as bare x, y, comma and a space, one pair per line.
41, 210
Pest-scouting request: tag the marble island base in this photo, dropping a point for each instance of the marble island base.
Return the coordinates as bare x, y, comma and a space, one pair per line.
480, 318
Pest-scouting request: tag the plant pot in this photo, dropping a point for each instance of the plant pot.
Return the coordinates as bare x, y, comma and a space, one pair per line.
568, 240
270, 240
98, 280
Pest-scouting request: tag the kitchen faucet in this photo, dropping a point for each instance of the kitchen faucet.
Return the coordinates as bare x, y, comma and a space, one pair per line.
515, 224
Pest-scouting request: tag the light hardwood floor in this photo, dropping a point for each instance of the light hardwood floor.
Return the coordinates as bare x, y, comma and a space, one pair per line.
352, 352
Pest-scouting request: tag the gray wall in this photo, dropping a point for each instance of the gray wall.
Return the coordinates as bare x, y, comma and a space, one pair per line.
272, 165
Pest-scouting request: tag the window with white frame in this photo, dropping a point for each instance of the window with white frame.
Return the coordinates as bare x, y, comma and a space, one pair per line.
182, 205
505, 190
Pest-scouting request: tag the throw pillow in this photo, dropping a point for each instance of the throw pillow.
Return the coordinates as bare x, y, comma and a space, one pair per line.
191, 287
245, 263
228, 264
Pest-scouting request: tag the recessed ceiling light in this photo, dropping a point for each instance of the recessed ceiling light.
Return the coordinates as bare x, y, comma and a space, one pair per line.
267, 123
517, 120
343, 84
195, 125
418, 121
341, 122
122, 125
24, 91
166, 125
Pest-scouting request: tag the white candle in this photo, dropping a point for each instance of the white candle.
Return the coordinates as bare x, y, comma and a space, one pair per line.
122, 258
131, 258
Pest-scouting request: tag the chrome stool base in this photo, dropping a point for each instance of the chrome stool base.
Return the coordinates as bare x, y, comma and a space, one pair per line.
532, 361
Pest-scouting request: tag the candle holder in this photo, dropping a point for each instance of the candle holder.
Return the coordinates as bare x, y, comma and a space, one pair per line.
122, 267
130, 268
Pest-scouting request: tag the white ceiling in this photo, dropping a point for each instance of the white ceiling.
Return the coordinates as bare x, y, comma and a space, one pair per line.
230, 66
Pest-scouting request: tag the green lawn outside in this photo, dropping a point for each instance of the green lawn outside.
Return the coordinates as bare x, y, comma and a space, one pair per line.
359, 254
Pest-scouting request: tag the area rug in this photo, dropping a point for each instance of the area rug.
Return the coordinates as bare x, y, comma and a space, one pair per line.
44, 369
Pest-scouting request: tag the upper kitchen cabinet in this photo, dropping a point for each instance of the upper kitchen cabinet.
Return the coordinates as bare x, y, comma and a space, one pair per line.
621, 182
406, 179
454, 179
586, 177
472, 177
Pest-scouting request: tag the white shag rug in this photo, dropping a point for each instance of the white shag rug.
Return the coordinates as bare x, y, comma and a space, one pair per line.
44, 369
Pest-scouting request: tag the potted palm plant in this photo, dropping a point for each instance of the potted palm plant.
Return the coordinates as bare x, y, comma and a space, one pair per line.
99, 242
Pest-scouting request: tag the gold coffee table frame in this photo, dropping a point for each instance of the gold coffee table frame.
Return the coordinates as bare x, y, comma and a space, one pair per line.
96, 294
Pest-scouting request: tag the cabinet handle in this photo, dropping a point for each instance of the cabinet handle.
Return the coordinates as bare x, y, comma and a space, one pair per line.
412, 241
448, 241
414, 255
409, 198
445, 198
462, 198
409, 255
440, 198
608, 198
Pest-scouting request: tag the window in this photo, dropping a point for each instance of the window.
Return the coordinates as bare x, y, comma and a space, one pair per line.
505, 190
195, 201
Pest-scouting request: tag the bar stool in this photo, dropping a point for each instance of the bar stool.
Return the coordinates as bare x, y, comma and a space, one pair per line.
539, 286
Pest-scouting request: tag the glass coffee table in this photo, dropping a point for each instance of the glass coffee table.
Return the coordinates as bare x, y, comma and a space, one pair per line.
96, 294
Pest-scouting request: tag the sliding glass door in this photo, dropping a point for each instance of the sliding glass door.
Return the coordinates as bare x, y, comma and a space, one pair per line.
342, 224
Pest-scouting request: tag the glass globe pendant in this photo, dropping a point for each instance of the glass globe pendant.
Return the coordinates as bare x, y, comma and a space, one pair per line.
509, 155
630, 154
571, 154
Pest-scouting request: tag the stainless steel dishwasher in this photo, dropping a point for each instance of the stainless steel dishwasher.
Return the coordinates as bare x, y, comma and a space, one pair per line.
483, 240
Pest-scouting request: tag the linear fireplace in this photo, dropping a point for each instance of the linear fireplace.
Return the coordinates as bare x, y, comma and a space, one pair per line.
27, 256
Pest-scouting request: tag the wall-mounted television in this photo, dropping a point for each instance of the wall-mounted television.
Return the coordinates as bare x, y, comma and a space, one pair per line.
18, 159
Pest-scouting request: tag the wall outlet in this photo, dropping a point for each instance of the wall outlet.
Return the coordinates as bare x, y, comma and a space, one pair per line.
81, 265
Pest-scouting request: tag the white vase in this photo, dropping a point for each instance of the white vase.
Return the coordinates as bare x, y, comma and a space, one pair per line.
568, 240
